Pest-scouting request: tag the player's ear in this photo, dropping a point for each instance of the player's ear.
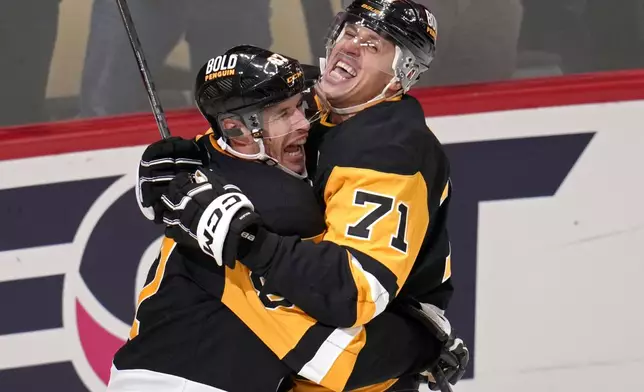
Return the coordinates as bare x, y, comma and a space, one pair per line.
231, 123
237, 132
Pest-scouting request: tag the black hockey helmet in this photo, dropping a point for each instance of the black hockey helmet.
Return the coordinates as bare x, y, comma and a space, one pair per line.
409, 25
245, 80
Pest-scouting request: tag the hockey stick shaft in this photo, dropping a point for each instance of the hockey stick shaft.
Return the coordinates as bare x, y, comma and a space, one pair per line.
153, 97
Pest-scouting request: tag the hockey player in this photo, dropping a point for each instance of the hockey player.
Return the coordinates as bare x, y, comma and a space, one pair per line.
189, 332
380, 174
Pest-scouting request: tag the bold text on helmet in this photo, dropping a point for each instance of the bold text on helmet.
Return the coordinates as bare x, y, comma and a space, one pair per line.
219, 63
219, 74
431, 25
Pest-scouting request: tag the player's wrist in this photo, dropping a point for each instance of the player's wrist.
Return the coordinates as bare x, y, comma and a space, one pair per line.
257, 254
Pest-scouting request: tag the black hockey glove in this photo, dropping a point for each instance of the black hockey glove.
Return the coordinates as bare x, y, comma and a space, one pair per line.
454, 356
160, 163
204, 211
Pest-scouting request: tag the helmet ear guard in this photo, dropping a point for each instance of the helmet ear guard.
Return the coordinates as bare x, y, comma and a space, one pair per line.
230, 133
407, 69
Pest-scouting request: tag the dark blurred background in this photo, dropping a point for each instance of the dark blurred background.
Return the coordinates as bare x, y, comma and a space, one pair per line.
64, 59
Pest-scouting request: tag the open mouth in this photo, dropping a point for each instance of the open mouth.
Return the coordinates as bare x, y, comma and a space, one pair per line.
295, 149
343, 71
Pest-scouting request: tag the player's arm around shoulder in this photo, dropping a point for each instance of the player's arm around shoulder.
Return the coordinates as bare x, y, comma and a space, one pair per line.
377, 216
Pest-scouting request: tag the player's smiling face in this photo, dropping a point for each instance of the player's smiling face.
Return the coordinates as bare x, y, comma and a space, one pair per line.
285, 132
358, 67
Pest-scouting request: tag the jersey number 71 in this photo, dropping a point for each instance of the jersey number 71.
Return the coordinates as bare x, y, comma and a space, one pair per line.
385, 204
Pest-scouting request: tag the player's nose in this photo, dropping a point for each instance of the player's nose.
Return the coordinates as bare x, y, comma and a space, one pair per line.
299, 122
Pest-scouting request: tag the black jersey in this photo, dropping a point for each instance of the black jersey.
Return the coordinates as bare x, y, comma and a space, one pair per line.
382, 178
224, 328
183, 328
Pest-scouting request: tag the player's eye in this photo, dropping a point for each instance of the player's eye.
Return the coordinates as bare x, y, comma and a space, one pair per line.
349, 33
372, 47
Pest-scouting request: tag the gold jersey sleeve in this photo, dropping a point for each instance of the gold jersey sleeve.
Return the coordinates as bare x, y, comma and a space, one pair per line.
382, 216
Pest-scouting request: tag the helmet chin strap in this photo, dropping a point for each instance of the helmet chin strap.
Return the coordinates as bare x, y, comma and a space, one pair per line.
261, 156
377, 99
